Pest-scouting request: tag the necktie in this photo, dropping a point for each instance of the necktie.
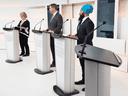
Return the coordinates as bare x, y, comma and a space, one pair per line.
51, 19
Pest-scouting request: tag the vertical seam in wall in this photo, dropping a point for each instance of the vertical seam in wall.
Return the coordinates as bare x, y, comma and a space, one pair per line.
125, 47
97, 77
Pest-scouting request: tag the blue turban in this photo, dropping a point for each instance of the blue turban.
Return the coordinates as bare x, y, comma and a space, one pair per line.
87, 8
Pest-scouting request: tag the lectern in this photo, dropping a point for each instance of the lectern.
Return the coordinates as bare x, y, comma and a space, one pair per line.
98, 64
12, 45
42, 43
65, 65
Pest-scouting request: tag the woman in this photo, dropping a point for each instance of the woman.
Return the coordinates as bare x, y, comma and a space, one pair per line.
24, 27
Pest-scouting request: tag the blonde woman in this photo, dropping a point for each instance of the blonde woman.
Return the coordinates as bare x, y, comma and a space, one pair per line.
24, 27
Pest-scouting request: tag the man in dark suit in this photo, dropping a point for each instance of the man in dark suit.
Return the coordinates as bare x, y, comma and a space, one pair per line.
84, 27
54, 26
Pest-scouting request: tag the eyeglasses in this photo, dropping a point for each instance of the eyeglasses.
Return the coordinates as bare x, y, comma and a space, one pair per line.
22, 16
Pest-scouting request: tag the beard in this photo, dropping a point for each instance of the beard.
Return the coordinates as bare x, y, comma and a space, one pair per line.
81, 17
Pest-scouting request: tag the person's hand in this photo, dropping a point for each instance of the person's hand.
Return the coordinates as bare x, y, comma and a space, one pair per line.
69, 35
50, 31
72, 36
43, 30
13, 27
23, 28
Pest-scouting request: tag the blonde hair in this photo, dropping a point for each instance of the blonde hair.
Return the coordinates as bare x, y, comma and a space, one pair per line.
25, 15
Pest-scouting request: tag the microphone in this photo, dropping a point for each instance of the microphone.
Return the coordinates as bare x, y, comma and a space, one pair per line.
38, 23
104, 22
9, 23
85, 40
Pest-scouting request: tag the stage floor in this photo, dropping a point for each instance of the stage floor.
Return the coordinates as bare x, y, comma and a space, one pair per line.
21, 80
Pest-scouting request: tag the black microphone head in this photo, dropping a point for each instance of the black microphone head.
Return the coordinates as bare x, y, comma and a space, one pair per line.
104, 22
67, 19
42, 19
13, 20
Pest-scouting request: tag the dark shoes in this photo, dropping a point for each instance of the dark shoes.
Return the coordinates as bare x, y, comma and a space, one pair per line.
83, 89
25, 55
80, 82
21, 54
52, 65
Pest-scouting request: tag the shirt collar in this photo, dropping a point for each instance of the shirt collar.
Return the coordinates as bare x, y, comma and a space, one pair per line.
54, 13
24, 20
84, 19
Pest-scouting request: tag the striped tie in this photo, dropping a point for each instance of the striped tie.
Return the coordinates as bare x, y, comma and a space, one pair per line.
51, 19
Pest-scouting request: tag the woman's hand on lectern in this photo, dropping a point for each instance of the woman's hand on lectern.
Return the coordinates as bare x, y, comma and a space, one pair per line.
13, 27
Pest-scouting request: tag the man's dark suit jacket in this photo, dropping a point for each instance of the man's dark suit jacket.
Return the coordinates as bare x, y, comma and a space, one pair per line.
56, 24
83, 30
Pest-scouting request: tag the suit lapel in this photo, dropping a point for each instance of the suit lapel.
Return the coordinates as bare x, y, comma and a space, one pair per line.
54, 18
83, 24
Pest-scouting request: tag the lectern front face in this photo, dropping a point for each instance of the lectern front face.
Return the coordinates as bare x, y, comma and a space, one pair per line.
12, 45
97, 79
65, 64
42, 42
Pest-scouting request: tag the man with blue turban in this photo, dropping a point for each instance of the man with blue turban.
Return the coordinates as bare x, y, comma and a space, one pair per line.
85, 26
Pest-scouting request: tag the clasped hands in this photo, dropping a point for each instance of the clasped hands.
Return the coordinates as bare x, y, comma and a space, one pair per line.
50, 31
72, 36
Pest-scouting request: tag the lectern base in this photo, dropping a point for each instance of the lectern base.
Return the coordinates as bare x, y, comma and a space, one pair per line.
61, 93
42, 73
10, 61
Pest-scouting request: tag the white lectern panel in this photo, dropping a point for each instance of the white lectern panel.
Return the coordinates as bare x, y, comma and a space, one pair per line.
42, 42
12, 45
97, 79
65, 65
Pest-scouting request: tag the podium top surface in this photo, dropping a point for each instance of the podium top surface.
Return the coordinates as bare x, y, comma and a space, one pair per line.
7, 29
99, 55
38, 31
57, 36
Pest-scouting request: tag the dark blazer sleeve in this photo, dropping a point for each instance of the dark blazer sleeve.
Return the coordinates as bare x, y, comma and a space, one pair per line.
77, 31
81, 36
89, 28
27, 25
59, 25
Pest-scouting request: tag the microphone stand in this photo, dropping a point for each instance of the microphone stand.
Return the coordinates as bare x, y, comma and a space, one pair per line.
85, 40
37, 24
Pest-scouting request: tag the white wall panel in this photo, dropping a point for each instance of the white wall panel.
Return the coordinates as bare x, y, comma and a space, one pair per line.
127, 47
79, 1
117, 46
11, 3
123, 28
32, 3
66, 27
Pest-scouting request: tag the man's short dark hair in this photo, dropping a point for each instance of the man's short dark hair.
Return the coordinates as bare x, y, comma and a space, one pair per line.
53, 6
